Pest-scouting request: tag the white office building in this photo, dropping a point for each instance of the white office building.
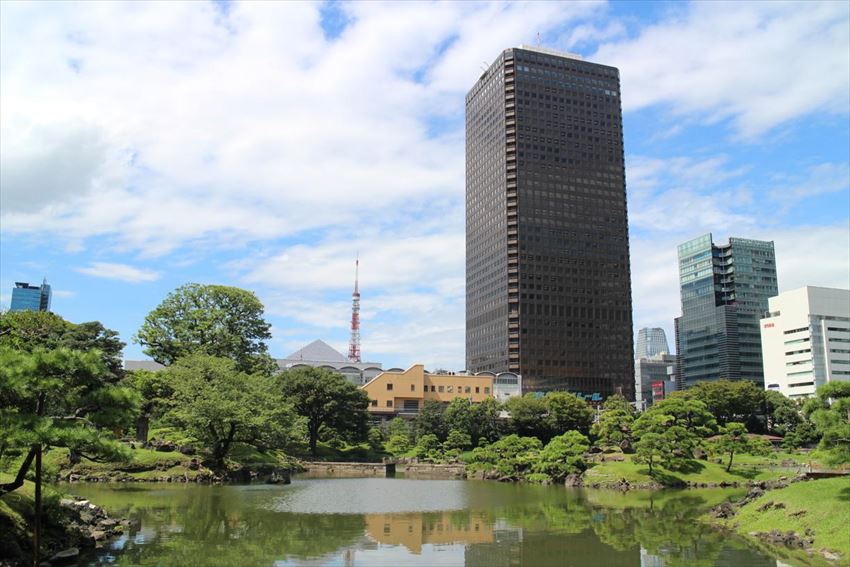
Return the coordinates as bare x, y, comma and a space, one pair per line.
806, 340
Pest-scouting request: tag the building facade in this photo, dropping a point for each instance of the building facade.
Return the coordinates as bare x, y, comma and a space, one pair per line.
654, 378
403, 393
548, 291
724, 292
806, 340
320, 354
651, 341
26, 297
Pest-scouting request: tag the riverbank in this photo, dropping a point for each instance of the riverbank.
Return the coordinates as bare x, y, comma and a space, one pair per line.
69, 525
803, 520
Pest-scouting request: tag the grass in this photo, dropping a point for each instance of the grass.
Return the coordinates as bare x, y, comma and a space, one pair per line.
744, 468
821, 505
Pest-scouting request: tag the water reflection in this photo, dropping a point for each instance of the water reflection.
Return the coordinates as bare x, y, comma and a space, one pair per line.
370, 522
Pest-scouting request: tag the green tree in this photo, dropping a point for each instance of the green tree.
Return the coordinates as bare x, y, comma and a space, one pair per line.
730, 400
457, 440
156, 394
485, 417
618, 402
528, 416
830, 413
783, 415
59, 398
30, 330
563, 455
428, 447
614, 428
512, 457
568, 412
398, 426
219, 405
217, 320
732, 440
329, 403
692, 414
430, 420
650, 448
458, 416
398, 445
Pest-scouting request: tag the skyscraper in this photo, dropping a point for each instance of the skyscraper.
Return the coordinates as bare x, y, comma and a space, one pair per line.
26, 297
650, 342
548, 291
724, 292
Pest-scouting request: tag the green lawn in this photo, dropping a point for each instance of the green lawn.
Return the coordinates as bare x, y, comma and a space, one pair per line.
744, 468
820, 505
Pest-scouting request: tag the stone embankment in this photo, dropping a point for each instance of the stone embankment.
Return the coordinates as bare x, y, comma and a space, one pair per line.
410, 467
193, 472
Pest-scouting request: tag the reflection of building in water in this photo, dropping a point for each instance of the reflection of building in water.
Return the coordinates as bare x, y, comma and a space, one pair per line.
417, 529
505, 550
648, 559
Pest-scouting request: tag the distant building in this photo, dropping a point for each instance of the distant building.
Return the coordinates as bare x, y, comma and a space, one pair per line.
654, 379
806, 340
404, 392
724, 292
505, 384
320, 354
149, 365
650, 342
26, 297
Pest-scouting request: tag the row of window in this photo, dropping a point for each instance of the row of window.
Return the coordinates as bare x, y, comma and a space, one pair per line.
449, 389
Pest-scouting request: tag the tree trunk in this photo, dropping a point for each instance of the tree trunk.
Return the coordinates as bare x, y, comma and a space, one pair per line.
25, 466
36, 534
729, 466
314, 440
142, 426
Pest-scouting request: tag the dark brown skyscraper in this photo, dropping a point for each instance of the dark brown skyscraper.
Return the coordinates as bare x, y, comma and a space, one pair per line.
548, 290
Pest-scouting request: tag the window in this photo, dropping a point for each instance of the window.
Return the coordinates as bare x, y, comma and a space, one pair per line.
441, 388
467, 390
389, 386
477, 390
389, 403
486, 389
433, 388
374, 403
413, 387
450, 389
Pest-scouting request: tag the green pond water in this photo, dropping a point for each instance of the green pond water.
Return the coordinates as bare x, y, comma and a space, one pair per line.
404, 522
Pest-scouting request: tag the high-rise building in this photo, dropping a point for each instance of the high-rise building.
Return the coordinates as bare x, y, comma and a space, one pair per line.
806, 340
650, 342
548, 287
654, 378
26, 297
724, 292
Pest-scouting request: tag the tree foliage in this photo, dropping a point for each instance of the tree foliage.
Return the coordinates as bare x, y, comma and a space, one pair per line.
528, 416
512, 457
219, 405
614, 428
430, 420
220, 321
568, 412
830, 413
59, 398
732, 440
330, 404
730, 400
563, 455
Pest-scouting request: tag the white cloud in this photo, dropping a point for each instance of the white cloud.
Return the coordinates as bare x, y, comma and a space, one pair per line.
63, 293
760, 64
121, 272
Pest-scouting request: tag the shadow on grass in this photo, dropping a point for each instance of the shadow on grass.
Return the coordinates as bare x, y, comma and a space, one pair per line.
749, 474
663, 477
689, 466
844, 494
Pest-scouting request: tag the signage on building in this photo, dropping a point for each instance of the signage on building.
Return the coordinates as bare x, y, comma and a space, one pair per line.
657, 391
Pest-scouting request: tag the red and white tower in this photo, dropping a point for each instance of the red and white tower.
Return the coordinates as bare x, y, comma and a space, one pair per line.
354, 343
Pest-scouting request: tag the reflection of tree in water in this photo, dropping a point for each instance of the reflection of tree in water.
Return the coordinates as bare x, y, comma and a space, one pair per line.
668, 529
217, 527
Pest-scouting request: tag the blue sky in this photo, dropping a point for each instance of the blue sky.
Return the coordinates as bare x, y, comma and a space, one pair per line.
264, 145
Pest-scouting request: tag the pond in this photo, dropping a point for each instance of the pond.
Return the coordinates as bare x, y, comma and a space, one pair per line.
350, 522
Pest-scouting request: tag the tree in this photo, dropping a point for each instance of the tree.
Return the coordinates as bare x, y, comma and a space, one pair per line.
783, 415
457, 441
528, 416
219, 405
458, 416
485, 417
59, 398
691, 414
427, 447
512, 457
651, 447
830, 413
398, 445
733, 440
730, 400
568, 412
563, 455
328, 402
618, 402
220, 321
614, 428
430, 420
30, 330
156, 392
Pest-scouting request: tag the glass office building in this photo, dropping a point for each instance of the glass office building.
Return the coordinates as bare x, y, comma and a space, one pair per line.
651, 341
548, 288
724, 293
26, 297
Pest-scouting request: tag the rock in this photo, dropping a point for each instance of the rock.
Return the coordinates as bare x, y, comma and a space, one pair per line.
187, 449
98, 535
779, 506
573, 480
108, 523
766, 506
798, 513
723, 510
166, 447
66, 502
65, 556
829, 556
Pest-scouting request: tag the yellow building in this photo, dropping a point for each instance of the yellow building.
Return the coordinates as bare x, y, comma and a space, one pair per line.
405, 392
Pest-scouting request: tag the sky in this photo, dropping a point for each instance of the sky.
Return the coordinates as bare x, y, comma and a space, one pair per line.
265, 145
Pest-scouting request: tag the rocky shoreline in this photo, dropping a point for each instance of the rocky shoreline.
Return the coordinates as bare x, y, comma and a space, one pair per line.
194, 472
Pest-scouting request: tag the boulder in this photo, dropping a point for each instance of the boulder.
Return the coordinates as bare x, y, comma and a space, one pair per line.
573, 480
65, 557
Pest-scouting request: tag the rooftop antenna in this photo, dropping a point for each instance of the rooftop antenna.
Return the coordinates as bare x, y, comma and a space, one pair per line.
354, 343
